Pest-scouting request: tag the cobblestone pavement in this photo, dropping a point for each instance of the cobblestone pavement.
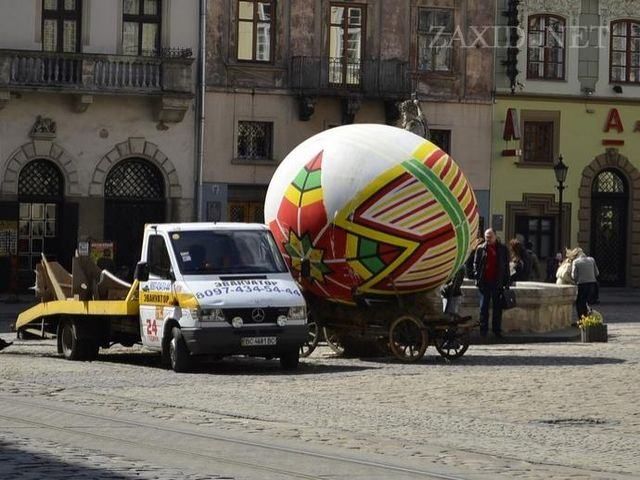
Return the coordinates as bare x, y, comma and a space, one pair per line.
534, 411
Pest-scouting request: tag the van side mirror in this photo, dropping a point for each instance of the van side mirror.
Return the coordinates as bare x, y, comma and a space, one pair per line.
142, 272
305, 268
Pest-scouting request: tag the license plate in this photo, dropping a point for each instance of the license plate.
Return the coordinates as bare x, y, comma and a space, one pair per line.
257, 341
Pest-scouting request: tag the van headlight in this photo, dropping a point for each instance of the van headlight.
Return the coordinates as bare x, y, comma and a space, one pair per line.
207, 314
297, 313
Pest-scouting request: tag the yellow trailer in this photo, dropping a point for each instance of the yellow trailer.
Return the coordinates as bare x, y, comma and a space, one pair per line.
85, 310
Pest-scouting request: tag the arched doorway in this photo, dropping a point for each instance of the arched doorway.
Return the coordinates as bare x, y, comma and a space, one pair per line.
134, 196
40, 197
609, 210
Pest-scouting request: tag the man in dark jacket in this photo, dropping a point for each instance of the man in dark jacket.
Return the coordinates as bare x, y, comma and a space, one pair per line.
491, 267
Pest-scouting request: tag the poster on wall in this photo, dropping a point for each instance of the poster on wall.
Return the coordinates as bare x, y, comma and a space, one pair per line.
8, 238
100, 250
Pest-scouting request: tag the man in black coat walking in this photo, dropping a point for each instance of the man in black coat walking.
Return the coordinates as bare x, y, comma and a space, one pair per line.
491, 270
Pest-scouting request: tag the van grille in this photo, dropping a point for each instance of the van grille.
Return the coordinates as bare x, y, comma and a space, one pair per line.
249, 315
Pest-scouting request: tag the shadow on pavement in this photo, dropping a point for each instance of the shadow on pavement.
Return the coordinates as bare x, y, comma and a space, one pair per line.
16, 463
471, 360
233, 365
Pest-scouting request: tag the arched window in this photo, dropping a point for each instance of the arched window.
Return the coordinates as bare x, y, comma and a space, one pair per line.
609, 182
134, 194
624, 64
546, 39
40, 179
134, 179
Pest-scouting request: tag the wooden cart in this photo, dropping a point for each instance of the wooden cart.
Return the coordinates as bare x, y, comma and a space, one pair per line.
404, 325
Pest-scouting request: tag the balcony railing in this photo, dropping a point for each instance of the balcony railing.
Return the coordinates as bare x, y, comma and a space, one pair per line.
371, 78
96, 72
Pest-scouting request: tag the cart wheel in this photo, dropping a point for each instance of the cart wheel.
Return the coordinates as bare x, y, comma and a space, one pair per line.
333, 340
408, 339
452, 344
312, 340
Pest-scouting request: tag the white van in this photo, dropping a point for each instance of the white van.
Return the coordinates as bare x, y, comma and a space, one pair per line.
218, 289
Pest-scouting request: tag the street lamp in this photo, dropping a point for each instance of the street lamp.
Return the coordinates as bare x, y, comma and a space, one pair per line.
560, 169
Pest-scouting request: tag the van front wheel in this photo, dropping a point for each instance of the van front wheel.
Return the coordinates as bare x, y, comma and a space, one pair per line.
290, 360
178, 353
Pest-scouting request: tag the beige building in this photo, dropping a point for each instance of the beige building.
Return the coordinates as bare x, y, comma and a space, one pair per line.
97, 122
280, 72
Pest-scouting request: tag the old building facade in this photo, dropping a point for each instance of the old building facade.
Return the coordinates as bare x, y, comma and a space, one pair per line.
571, 88
96, 125
280, 71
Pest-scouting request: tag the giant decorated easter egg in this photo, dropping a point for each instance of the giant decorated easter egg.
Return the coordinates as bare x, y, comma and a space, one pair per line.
377, 210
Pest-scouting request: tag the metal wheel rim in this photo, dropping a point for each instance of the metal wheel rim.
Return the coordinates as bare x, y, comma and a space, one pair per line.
407, 339
67, 340
458, 345
312, 341
173, 354
333, 340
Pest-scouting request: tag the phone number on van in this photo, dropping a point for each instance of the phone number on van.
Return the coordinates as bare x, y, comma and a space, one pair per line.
214, 292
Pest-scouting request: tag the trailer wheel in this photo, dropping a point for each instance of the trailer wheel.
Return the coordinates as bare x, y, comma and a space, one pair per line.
408, 339
333, 340
311, 342
178, 353
290, 360
71, 346
452, 344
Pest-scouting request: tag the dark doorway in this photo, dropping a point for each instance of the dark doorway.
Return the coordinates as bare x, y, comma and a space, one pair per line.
134, 196
40, 197
609, 204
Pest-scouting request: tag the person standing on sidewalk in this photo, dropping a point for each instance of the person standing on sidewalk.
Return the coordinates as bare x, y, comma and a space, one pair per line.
584, 272
491, 267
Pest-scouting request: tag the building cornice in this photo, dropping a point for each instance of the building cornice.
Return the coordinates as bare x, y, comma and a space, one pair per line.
568, 98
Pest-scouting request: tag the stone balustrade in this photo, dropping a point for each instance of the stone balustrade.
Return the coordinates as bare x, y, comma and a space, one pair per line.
94, 73
541, 307
167, 76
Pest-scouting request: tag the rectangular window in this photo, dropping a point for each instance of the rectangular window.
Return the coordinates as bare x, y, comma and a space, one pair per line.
441, 138
545, 47
141, 21
625, 52
158, 257
61, 21
255, 30
255, 140
346, 43
538, 141
435, 34
540, 231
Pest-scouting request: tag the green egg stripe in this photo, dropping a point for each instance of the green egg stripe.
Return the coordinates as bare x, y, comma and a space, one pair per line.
449, 202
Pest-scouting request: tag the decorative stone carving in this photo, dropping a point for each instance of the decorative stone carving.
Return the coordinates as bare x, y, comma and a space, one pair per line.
141, 148
617, 9
172, 109
412, 118
43, 129
564, 8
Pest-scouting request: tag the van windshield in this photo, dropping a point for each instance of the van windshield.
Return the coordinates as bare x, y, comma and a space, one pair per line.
223, 252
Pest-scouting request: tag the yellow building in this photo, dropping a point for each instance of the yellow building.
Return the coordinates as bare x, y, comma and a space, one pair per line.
581, 103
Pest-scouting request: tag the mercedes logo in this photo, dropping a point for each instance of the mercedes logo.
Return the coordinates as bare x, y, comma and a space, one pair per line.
257, 315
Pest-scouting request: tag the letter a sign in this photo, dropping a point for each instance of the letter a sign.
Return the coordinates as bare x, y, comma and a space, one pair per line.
614, 121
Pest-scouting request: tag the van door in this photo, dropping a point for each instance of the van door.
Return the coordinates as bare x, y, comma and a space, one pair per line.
156, 294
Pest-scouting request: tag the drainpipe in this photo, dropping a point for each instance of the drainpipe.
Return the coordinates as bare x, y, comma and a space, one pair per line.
200, 108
